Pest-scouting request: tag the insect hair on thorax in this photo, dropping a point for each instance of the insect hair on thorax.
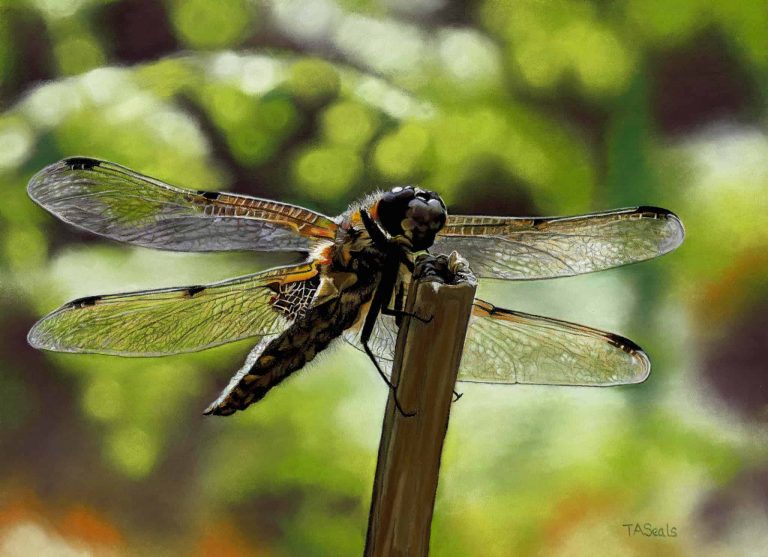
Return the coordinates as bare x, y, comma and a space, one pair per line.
350, 217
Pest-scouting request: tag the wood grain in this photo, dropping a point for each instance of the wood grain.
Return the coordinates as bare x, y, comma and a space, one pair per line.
426, 363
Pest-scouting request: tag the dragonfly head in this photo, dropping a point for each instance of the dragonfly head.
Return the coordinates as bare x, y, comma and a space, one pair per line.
413, 213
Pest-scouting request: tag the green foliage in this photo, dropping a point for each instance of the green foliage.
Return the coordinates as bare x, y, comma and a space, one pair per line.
204, 24
327, 171
400, 155
349, 123
313, 81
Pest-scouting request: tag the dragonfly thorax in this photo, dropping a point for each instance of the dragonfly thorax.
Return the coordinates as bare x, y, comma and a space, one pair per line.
413, 213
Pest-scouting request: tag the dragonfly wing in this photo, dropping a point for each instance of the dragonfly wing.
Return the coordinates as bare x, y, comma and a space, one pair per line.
382, 342
534, 248
504, 346
174, 320
121, 204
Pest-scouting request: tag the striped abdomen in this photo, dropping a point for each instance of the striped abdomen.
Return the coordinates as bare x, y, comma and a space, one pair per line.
290, 351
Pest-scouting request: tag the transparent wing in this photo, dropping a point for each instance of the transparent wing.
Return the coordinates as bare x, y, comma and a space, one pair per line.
534, 248
121, 204
175, 320
504, 346
382, 342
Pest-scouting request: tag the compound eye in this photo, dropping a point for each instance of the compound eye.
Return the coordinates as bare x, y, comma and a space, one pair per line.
424, 219
393, 207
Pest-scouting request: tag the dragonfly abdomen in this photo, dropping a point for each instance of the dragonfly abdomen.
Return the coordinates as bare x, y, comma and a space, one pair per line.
294, 348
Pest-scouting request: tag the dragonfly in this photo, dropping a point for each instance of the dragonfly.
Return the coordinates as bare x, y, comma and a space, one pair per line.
350, 284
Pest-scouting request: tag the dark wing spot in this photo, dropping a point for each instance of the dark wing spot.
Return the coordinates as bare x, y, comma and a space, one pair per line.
537, 221
83, 302
623, 343
656, 211
192, 290
81, 163
209, 194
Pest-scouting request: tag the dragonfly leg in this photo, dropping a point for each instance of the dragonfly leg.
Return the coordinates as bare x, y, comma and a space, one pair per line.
398, 311
407, 262
383, 292
399, 303
376, 234
387, 381
401, 314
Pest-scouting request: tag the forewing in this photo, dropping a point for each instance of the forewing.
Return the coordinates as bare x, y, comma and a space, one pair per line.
535, 248
175, 320
121, 204
504, 346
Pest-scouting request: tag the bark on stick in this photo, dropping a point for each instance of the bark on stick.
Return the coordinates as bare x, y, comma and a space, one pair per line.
425, 368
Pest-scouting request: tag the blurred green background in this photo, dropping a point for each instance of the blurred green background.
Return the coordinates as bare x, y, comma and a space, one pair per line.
522, 107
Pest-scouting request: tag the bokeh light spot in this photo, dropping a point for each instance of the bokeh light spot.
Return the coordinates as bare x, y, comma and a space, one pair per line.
206, 24
398, 155
24, 247
598, 57
252, 146
132, 451
471, 58
58, 8
164, 77
103, 398
387, 46
658, 20
229, 107
328, 172
306, 20
277, 115
260, 74
16, 140
349, 123
536, 64
48, 106
77, 54
314, 81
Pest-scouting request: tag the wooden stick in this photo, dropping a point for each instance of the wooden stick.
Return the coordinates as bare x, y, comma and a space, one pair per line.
426, 363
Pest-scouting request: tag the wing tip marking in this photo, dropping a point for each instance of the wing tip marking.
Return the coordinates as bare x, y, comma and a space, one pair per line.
660, 211
81, 163
83, 302
36, 188
633, 349
482, 308
675, 233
